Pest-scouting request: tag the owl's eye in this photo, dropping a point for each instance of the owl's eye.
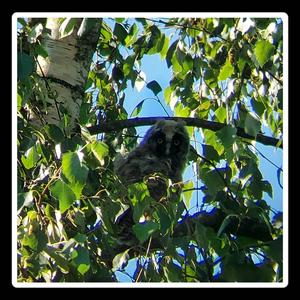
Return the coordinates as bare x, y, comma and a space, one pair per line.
176, 142
159, 141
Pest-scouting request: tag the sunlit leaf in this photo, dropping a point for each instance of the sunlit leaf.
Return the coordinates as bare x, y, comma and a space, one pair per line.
120, 260
30, 158
188, 192
263, 51
137, 109
220, 113
226, 71
163, 51
64, 194
67, 26
100, 150
73, 169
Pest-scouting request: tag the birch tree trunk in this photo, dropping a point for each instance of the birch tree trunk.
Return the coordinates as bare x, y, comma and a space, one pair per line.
64, 72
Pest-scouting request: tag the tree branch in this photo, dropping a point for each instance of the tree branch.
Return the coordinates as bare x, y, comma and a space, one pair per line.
246, 226
118, 125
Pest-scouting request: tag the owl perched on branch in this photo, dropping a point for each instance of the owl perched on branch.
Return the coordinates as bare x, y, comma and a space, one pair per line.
162, 155
163, 150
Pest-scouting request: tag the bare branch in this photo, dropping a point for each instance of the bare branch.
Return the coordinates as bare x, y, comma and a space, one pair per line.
118, 125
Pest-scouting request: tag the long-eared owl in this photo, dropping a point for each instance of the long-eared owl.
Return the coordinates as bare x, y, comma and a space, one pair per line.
164, 150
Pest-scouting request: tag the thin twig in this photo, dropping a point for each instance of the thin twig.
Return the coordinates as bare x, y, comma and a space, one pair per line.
142, 268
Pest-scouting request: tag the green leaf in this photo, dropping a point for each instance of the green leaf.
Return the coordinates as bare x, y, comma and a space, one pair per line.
163, 217
267, 187
19, 101
80, 238
30, 158
119, 20
220, 113
154, 87
205, 104
54, 133
120, 32
128, 65
132, 35
188, 194
81, 259
236, 268
252, 125
212, 139
155, 43
30, 240
227, 135
40, 50
138, 192
263, 50
175, 60
213, 180
187, 63
137, 109
120, 261
67, 26
170, 53
274, 249
22, 22
181, 111
173, 272
72, 168
226, 71
210, 152
25, 65
229, 222
100, 150
167, 94
24, 199
257, 187
64, 194
258, 107
42, 240
143, 230
163, 51
59, 259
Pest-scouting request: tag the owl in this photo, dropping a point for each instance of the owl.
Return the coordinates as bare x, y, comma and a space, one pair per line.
163, 150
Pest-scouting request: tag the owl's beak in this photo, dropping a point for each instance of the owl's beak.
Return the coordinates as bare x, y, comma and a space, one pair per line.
168, 149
